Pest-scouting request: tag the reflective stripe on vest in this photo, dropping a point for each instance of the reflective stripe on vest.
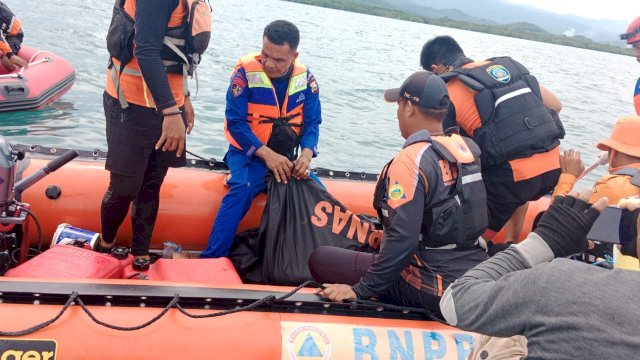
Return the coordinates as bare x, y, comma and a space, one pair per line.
128, 85
262, 96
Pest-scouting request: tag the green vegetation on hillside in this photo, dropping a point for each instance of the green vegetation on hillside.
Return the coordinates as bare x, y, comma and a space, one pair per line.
521, 30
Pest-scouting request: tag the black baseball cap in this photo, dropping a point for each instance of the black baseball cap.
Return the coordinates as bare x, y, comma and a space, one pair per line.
422, 88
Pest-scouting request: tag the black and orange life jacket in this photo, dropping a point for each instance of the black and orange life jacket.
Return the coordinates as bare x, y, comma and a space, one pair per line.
186, 39
455, 211
515, 122
265, 114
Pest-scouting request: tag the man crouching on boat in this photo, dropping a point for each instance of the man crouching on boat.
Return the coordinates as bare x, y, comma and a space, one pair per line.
10, 39
432, 203
273, 107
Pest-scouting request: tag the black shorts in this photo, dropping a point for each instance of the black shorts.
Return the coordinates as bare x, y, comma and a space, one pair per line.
132, 135
505, 197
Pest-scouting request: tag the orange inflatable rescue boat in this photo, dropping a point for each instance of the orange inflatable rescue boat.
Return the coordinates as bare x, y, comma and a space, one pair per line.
70, 302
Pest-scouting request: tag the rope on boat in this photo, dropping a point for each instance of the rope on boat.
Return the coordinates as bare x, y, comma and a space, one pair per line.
166, 309
20, 74
31, 62
74, 298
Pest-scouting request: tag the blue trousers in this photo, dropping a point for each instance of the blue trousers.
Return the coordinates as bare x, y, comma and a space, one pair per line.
245, 183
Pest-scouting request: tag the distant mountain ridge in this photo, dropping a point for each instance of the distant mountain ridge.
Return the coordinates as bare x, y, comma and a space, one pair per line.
411, 10
505, 12
422, 9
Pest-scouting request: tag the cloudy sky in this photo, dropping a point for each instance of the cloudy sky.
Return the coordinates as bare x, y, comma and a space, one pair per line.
626, 10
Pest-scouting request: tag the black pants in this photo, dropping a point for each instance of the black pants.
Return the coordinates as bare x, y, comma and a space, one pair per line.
334, 265
137, 171
144, 193
505, 197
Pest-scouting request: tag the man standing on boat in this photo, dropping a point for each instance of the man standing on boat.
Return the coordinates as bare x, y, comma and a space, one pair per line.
513, 119
273, 108
152, 47
632, 36
10, 39
431, 201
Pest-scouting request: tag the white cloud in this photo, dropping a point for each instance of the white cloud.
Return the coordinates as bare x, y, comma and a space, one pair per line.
625, 10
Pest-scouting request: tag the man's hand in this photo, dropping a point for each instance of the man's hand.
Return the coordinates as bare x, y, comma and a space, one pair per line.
11, 63
173, 132
189, 113
570, 163
302, 165
280, 165
18, 61
338, 292
564, 226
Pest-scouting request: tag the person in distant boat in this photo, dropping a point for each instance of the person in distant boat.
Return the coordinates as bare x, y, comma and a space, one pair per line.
566, 309
431, 201
147, 109
514, 121
623, 146
273, 109
10, 39
632, 36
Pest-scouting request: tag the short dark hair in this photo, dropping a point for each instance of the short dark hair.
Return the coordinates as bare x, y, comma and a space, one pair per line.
435, 114
280, 32
438, 50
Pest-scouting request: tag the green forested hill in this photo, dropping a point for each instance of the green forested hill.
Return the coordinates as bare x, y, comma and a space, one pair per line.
521, 30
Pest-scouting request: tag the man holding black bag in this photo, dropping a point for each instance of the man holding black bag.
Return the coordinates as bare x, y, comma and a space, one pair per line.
273, 107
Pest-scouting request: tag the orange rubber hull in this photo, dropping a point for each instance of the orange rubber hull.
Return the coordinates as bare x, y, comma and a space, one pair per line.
190, 199
245, 335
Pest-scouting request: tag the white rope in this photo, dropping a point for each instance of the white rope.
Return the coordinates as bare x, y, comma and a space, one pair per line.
38, 53
31, 63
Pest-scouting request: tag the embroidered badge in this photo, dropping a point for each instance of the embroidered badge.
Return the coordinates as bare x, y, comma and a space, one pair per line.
313, 84
499, 73
397, 192
238, 85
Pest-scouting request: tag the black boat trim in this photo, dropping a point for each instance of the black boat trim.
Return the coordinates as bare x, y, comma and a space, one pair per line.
202, 298
211, 164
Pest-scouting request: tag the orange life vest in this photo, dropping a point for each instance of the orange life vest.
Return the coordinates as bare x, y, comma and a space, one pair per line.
128, 84
616, 186
262, 96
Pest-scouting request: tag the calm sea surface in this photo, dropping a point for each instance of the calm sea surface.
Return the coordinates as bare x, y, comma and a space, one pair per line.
354, 57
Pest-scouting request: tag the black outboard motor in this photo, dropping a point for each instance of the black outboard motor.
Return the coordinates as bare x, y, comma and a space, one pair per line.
13, 212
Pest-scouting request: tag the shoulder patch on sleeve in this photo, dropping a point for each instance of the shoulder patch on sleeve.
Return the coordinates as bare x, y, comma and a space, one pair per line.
238, 83
313, 84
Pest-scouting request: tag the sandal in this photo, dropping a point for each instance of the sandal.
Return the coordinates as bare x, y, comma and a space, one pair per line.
104, 247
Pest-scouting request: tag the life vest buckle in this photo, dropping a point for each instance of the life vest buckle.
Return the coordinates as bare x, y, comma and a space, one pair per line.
530, 124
